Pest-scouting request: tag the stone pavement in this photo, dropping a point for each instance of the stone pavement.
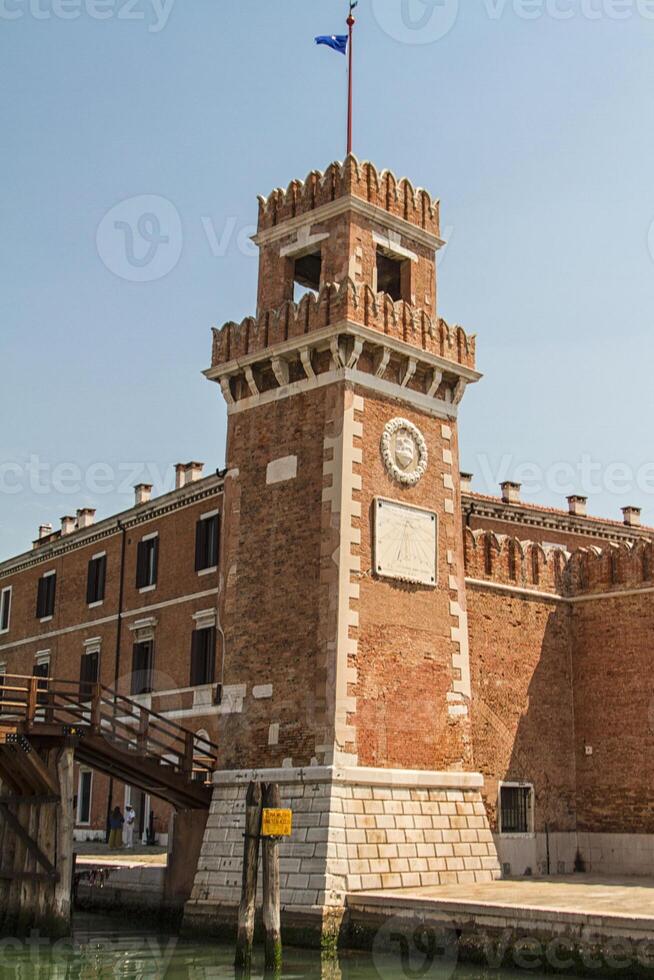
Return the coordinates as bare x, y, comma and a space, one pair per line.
139, 856
591, 895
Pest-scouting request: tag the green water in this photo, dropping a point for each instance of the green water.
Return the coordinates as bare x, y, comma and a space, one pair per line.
101, 947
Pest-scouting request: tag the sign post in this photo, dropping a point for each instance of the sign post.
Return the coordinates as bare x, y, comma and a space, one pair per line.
276, 823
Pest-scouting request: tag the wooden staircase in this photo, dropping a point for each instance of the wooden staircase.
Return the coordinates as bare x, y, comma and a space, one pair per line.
109, 732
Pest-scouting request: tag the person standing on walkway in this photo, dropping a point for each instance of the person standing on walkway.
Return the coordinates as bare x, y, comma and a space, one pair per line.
128, 829
116, 822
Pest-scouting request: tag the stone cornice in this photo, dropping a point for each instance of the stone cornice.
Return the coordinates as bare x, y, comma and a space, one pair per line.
517, 514
154, 509
351, 203
393, 367
354, 775
319, 340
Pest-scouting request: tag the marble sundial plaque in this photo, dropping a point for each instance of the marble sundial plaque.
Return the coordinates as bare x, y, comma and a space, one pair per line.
405, 542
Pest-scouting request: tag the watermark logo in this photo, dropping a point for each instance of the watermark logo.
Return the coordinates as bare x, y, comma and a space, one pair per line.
153, 12
416, 21
407, 948
141, 239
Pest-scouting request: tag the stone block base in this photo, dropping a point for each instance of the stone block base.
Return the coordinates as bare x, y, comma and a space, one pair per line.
354, 830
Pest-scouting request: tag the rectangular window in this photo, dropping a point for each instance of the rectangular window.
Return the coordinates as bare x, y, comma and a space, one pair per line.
393, 276
5, 609
143, 667
307, 272
147, 562
207, 532
84, 796
96, 578
41, 669
203, 656
45, 598
516, 809
89, 672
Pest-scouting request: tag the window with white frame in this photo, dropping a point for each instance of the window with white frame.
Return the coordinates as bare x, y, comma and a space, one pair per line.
5, 609
147, 562
516, 808
45, 597
84, 791
207, 542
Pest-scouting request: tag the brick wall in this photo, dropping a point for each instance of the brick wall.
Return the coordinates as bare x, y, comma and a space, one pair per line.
614, 713
271, 567
406, 672
522, 709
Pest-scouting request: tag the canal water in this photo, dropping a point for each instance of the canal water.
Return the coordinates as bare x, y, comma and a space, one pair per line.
102, 947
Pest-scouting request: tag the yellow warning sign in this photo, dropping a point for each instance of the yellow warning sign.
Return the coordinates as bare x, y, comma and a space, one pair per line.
277, 823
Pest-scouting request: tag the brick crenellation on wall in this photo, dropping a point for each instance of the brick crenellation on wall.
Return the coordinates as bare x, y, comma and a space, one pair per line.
360, 179
335, 302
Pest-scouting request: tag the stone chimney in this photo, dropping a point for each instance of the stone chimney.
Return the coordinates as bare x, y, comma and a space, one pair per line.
180, 475
194, 472
632, 516
68, 524
45, 530
466, 482
142, 493
85, 517
577, 505
510, 492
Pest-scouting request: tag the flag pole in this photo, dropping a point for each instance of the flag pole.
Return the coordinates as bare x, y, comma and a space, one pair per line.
350, 24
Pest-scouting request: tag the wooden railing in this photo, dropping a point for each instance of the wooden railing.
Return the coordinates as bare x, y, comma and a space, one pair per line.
83, 708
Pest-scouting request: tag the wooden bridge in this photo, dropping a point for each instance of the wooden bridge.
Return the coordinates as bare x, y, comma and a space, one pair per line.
46, 725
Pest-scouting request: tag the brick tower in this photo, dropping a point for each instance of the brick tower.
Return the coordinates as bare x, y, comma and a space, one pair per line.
346, 673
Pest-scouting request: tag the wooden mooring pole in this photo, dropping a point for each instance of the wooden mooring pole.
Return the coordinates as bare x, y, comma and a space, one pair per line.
245, 935
272, 800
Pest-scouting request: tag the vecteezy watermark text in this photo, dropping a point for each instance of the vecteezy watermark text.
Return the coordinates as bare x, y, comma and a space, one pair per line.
141, 238
584, 475
427, 21
154, 13
42, 477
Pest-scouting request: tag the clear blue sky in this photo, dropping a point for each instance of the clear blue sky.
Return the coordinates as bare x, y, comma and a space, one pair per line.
537, 135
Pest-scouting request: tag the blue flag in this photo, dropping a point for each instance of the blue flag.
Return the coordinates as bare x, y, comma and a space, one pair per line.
336, 41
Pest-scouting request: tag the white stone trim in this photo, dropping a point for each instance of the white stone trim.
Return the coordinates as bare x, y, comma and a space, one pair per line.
342, 205
6, 597
304, 243
127, 614
390, 242
204, 618
341, 469
434, 407
281, 470
458, 707
479, 583
353, 775
169, 602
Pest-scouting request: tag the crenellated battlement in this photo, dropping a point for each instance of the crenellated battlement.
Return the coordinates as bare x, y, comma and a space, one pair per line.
492, 557
359, 179
509, 561
336, 303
